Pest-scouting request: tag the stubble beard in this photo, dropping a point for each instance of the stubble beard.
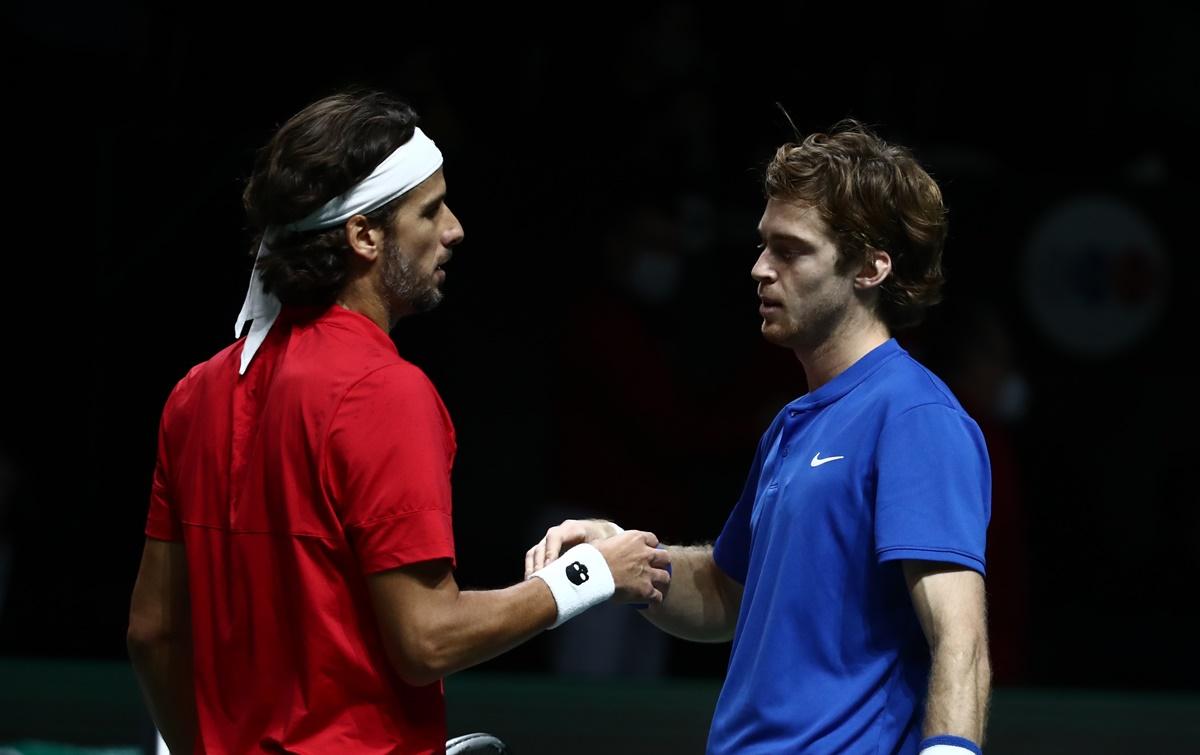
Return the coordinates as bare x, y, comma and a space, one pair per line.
404, 285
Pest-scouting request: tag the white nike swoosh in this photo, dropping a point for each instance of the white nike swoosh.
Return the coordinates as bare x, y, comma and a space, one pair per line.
818, 461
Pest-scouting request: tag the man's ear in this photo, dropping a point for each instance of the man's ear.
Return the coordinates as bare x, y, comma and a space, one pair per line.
875, 270
365, 240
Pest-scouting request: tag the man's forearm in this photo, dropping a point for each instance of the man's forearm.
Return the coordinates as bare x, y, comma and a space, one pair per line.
480, 625
959, 689
702, 603
432, 629
164, 671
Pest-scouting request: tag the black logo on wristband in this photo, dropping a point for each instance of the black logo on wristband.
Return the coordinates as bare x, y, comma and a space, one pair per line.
577, 573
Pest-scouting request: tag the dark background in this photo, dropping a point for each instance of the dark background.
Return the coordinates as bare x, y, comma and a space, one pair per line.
598, 347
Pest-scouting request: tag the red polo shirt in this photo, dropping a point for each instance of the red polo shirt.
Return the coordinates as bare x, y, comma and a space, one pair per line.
327, 461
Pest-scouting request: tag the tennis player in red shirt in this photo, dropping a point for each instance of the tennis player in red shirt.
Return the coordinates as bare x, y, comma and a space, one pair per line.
296, 592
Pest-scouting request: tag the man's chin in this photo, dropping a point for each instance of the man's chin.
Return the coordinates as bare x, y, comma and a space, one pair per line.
774, 334
428, 300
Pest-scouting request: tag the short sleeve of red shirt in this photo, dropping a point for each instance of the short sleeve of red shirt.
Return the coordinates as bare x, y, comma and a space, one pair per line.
387, 469
163, 521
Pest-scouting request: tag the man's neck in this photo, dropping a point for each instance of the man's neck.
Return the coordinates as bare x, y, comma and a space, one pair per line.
362, 297
835, 354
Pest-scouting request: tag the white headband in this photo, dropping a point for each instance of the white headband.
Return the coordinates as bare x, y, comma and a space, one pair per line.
411, 163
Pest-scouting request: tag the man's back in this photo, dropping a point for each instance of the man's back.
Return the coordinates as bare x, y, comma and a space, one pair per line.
327, 460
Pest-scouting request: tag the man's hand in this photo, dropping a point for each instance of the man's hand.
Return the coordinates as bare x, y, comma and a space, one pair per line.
638, 567
569, 533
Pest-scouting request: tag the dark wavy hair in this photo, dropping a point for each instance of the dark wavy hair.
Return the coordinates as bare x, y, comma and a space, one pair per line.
872, 195
320, 153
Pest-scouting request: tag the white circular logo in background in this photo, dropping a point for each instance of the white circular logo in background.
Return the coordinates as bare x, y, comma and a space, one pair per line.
1095, 276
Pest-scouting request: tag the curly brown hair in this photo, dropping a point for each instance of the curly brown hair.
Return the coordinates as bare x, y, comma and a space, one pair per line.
873, 195
318, 154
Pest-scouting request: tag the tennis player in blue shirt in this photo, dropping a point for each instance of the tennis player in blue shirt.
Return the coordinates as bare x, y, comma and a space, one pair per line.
850, 573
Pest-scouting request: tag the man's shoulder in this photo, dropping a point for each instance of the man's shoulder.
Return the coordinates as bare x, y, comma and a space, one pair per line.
342, 348
913, 377
349, 362
216, 365
368, 373
198, 392
908, 384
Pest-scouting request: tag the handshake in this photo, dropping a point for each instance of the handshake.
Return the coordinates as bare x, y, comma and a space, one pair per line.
586, 562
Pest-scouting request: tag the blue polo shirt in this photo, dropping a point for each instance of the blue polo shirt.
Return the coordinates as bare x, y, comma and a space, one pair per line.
879, 465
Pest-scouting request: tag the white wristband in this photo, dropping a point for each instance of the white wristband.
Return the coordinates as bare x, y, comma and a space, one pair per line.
948, 744
578, 580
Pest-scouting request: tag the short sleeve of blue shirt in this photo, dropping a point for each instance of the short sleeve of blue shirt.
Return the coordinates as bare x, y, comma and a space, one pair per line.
933, 494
